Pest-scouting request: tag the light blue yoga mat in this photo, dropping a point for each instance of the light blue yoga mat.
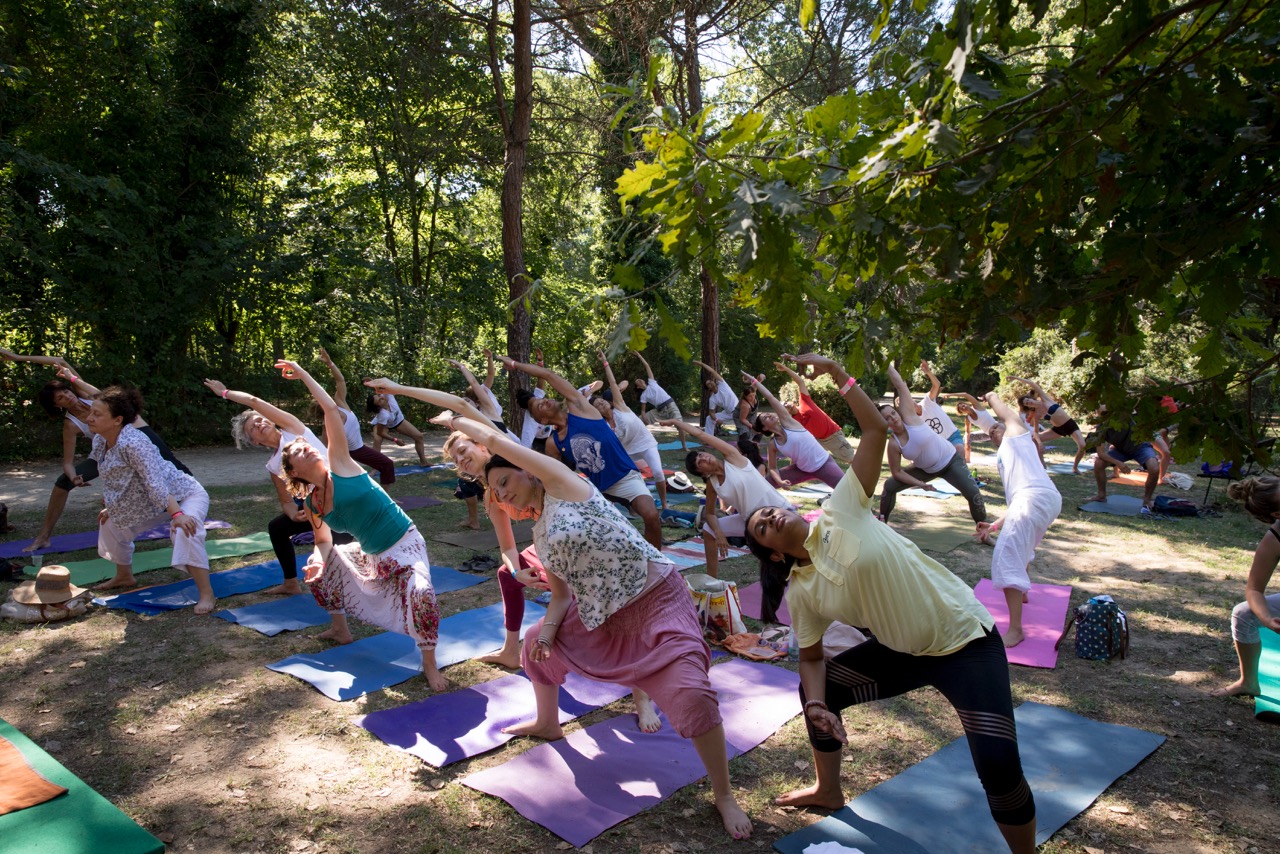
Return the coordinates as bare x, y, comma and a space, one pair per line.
183, 594
402, 471
941, 489
373, 663
1059, 468
292, 613
1115, 505
1267, 703
938, 807
675, 446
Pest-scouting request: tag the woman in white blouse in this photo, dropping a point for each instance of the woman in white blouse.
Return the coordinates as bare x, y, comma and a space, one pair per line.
141, 489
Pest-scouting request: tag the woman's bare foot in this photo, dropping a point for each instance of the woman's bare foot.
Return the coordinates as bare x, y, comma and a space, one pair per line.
811, 797
533, 730
1235, 689
290, 587
503, 658
37, 544
117, 583
336, 635
467, 523
1101, 498
735, 820
1013, 637
647, 716
205, 605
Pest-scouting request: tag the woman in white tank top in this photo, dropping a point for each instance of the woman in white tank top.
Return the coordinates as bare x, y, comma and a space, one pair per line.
809, 460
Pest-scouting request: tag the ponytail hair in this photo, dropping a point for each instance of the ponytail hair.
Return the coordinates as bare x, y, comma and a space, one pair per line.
1260, 495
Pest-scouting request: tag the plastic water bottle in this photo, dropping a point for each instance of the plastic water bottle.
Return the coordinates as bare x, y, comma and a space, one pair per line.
793, 647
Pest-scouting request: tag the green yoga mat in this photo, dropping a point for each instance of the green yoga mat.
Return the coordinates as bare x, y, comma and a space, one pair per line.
938, 533
1267, 703
92, 571
81, 821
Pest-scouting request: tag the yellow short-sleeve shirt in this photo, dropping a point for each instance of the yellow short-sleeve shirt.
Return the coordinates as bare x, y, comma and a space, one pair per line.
865, 574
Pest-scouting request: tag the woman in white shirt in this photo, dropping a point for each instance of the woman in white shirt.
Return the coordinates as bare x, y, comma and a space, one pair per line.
809, 460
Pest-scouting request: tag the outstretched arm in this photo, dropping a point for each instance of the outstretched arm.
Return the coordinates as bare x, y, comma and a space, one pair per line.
488, 380
48, 361
795, 378
973, 401
340, 461
339, 381
784, 417
1014, 424
709, 370
934, 385
618, 402
567, 390
906, 403
277, 416
557, 479
648, 371
79, 385
1035, 387
729, 452
480, 390
443, 399
866, 460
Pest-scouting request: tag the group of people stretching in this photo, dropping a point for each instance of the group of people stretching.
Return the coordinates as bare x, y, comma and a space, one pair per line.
619, 611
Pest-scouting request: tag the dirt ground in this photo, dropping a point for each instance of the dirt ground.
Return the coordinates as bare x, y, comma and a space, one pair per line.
174, 718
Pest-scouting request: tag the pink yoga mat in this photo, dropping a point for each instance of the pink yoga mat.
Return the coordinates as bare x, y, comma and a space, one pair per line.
586, 783
749, 598
1042, 620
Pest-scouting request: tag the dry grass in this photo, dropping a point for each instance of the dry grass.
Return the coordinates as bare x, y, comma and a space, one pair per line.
174, 718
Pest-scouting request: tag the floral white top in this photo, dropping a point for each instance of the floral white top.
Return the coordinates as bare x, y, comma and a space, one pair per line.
136, 480
599, 554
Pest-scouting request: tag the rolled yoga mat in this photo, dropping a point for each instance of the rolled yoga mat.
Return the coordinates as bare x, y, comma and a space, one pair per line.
938, 807
89, 539
1042, 620
373, 663
90, 571
79, 822
291, 613
584, 784
183, 594
447, 728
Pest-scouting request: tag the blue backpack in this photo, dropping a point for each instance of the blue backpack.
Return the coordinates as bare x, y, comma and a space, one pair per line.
1102, 630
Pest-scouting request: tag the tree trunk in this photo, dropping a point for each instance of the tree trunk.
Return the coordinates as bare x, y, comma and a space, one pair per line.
710, 291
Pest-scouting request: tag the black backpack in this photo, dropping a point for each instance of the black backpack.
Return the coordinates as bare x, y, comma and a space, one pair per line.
1167, 506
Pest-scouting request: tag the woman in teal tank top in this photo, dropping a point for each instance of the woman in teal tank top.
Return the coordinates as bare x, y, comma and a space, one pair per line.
384, 577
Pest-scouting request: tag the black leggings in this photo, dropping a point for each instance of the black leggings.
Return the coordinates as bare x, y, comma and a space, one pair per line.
955, 472
282, 530
974, 679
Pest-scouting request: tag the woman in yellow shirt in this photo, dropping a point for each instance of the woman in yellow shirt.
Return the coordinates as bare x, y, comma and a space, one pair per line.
927, 628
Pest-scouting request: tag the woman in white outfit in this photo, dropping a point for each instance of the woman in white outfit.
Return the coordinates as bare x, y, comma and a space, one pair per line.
809, 460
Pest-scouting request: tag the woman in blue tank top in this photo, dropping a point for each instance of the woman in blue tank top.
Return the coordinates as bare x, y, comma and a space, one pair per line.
384, 577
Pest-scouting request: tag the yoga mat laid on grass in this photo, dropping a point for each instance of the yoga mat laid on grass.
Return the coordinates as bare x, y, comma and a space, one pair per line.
937, 533
938, 806
1115, 505
183, 594
1134, 478
941, 489
1042, 620
79, 822
675, 446
810, 491
373, 663
403, 471
1267, 703
417, 502
610, 771
672, 496
89, 539
750, 598
85, 572
485, 539
291, 613
982, 459
448, 728
1060, 468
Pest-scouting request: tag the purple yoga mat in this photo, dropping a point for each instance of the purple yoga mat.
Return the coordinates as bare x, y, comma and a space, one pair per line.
749, 598
586, 783
1042, 620
416, 502
89, 540
447, 728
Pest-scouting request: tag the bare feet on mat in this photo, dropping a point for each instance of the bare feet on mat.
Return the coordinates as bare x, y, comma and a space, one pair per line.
647, 716
292, 587
531, 729
475, 526
205, 605
37, 544
1026, 597
1101, 498
811, 797
1012, 638
336, 635
1235, 689
503, 658
117, 583
735, 820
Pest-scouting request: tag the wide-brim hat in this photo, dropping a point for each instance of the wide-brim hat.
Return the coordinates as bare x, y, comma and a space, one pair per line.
679, 480
52, 585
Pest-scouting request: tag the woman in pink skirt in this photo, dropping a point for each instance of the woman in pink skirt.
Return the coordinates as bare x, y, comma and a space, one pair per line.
619, 611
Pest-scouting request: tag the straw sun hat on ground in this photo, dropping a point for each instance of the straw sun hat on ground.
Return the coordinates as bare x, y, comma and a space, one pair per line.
51, 586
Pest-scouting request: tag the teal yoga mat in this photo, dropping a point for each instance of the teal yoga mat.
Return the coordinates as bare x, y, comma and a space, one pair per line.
90, 571
1267, 703
79, 822
1115, 505
938, 806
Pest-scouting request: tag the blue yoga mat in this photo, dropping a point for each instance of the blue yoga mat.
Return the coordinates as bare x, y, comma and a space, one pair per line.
675, 446
292, 613
1115, 505
401, 471
371, 664
938, 806
89, 539
183, 594
1059, 468
674, 497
